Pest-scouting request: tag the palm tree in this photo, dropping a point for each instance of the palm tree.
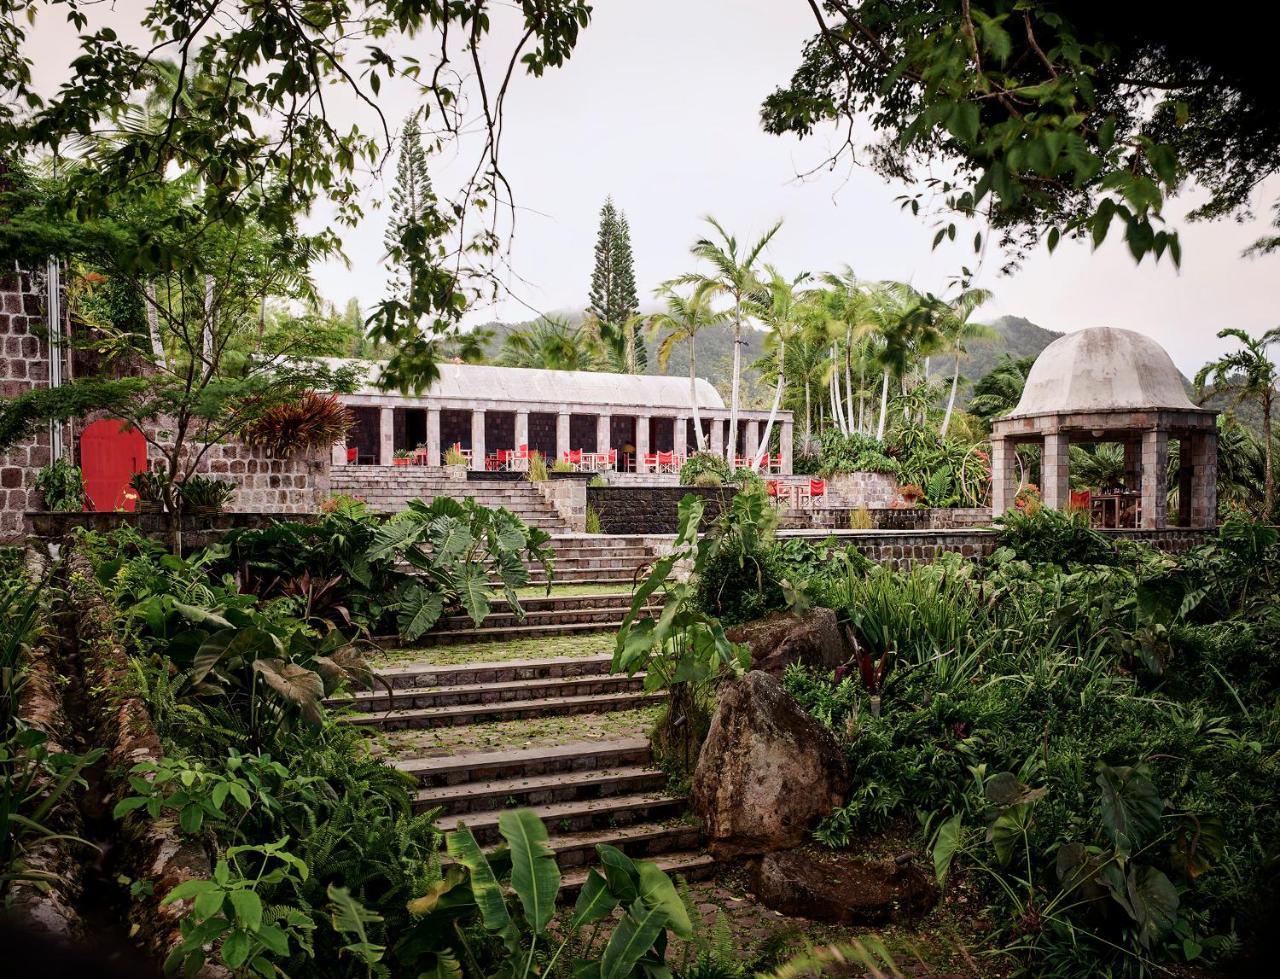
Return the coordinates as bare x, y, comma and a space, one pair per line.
904, 322
734, 275
781, 308
1244, 374
553, 344
847, 304
959, 331
999, 390
681, 321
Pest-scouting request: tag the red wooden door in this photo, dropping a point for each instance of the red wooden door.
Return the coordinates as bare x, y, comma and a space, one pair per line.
111, 451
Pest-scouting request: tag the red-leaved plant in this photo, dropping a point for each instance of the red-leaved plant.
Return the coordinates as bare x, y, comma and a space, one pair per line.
314, 421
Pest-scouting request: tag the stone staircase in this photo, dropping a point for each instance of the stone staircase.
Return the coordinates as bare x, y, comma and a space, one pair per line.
388, 489
555, 615
586, 792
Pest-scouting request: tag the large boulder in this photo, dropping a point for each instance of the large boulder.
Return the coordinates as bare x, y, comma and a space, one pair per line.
843, 889
767, 771
782, 638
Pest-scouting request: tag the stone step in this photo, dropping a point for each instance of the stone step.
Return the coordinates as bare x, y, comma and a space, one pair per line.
433, 675
563, 818
494, 693
610, 615
602, 560
488, 766
498, 633
690, 866
586, 576
420, 718
577, 851
537, 790
546, 603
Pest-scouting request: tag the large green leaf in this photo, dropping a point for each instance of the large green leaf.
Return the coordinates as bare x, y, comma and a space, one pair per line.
535, 875
398, 534
473, 592
657, 891
595, 901
420, 609
945, 845
620, 871
298, 685
450, 538
631, 940
1131, 807
486, 890
199, 615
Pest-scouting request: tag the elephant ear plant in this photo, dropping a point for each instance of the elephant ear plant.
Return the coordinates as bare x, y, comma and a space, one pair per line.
476, 885
456, 549
681, 649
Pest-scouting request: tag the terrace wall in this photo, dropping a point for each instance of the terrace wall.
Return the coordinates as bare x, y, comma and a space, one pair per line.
24, 364
636, 510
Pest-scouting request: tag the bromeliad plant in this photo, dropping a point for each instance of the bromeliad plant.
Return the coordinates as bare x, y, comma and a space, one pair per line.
456, 549
682, 648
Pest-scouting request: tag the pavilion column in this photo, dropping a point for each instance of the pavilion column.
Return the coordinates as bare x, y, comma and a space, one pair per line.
1155, 477
1004, 478
1132, 463
1204, 478
642, 442
716, 443
562, 435
386, 437
1055, 481
680, 437
477, 439
751, 441
433, 436
786, 435
603, 432
522, 429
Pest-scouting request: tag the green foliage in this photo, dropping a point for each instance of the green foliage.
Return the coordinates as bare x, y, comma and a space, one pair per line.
1044, 534
537, 468
61, 485
843, 453
455, 547
699, 463
196, 493
612, 301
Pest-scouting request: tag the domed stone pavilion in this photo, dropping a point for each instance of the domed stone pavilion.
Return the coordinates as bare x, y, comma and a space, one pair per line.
1110, 385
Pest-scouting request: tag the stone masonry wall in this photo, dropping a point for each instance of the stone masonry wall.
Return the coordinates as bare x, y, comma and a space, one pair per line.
265, 484
24, 364
651, 509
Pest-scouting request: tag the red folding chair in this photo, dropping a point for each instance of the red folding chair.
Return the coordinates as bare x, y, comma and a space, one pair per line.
666, 461
575, 458
612, 458
352, 454
776, 463
817, 487
651, 460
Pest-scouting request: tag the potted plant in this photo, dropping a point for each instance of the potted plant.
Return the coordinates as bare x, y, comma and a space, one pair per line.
149, 488
204, 496
62, 486
911, 494
402, 457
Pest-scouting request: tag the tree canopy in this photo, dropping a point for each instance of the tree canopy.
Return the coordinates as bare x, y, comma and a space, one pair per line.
1052, 118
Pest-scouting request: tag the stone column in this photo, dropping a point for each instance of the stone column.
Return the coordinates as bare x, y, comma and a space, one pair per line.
1203, 449
522, 430
603, 426
751, 440
562, 435
1004, 476
1155, 477
786, 436
433, 436
386, 436
1132, 464
716, 444
338, 455
1055, 483
477, 439
681, 436
642, 442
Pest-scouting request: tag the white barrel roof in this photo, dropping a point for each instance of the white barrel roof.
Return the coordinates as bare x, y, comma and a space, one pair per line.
1102, 369
525, 385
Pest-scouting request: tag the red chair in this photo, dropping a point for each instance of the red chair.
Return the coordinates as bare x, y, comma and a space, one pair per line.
575, 457
666, 461
1081, 499
776, 463
613, 458
352, 454
651, 460
817, 487
503, 458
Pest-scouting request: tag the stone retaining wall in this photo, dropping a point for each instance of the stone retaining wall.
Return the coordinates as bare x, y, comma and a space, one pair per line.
197, 531
889, 518
651, 509
24, 364
866, 489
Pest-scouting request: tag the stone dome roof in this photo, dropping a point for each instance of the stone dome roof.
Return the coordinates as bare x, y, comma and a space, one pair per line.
1102, 369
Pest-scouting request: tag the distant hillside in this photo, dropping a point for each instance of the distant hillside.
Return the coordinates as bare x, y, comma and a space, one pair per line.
1017, 337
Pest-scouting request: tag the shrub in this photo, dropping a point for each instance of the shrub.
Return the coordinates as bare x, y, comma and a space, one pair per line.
854, 453
703, 462
453, 457
537, 468
593, 521
203, 493
560, 466
313, 421
1042, 534
62, 486
707, 480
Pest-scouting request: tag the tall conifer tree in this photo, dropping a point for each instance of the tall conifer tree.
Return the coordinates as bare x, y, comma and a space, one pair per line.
613, 301
412, 200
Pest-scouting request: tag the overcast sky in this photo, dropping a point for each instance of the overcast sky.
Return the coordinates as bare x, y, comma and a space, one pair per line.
659, 106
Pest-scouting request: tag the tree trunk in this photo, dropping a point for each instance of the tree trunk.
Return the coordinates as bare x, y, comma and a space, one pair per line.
693, 400
153, 327
773, 412
1268, 472
951, 401
862, 396
808, 418
731, 449
884, 405
848, 381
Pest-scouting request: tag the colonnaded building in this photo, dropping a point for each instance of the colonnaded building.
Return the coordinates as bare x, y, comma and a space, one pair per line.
495, 417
